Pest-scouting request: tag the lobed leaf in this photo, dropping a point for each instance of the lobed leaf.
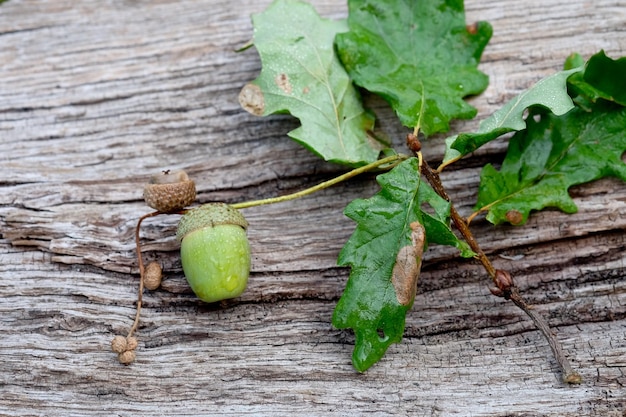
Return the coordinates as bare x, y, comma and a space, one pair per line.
301, 75
602, 78
551, 155
416, 54
373, 304
550, 93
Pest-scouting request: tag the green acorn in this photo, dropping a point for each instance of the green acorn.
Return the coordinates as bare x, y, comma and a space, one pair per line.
214, 251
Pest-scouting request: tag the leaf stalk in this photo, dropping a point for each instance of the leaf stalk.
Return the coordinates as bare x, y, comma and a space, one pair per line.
393, 159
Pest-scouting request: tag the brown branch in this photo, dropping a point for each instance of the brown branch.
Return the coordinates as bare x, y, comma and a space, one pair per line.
504, 283
570, 376
459, 222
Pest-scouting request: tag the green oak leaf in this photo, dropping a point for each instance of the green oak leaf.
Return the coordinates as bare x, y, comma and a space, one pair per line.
302, 75
370, 304
603, 78
410, 52
550, 92
551, 155
574, 60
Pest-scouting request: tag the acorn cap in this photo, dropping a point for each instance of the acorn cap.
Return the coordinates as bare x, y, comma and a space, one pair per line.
169, 192
209, 215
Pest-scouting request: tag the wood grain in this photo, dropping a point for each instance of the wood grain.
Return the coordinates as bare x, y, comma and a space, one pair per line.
95, 96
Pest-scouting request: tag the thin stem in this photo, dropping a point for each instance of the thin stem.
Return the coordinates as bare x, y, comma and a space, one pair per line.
416, 129
321, 186
141, 270
472, 216
459, 222
570, 376
503, 281
443, 165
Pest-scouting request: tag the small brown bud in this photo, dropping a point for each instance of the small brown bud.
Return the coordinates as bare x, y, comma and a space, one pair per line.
118, 344
131, 343
504, 284
152, 276
127, 357
503, 280
496, 291
413, 143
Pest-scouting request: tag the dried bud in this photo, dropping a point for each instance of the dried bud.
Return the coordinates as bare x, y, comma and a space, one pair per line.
127, 357
496, 291
131, 343
413, 143
118, 344
503, 280
152, 276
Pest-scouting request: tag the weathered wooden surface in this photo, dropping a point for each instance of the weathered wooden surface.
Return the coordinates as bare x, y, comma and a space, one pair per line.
97, 95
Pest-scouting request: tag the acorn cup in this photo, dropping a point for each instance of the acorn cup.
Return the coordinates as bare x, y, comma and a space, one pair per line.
169, 192
214, 251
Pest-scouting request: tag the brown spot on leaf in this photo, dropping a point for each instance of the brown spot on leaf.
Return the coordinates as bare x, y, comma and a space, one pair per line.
472, 29
408, 264
514, 217
282, 81
252, 100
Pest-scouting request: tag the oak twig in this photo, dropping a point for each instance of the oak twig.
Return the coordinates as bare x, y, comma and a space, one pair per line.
505, 286
570, 376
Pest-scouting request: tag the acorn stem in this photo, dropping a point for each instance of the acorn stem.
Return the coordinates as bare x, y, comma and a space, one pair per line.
141, 270
322, 185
